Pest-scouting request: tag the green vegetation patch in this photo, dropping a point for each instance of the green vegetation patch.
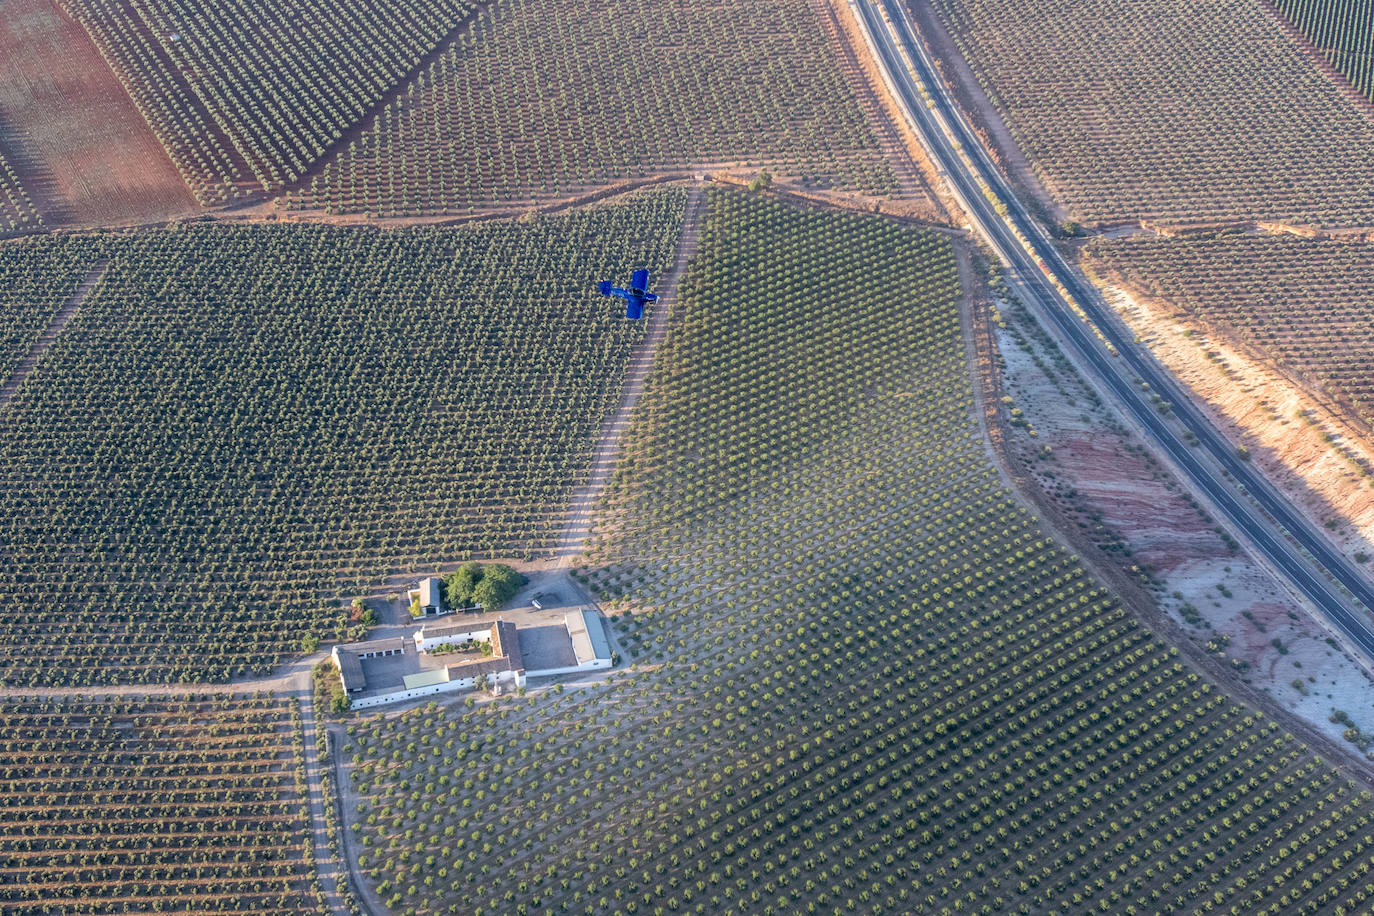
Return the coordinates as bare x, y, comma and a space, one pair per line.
150, 804
247, 93
241, 421
542, 98
1189, 112
870, 681
485, 585
1343, 30
1308, 303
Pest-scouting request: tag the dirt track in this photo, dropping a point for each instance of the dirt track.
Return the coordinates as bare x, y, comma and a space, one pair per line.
577, 528
55, 327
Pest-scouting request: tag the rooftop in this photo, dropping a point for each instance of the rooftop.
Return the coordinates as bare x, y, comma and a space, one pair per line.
505, 643
392, 644
588, 636
451, 629
479, 667
430, 593
426, 678
350, 670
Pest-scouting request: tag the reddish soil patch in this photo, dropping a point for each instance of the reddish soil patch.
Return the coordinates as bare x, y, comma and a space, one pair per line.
80, 146
1165, 531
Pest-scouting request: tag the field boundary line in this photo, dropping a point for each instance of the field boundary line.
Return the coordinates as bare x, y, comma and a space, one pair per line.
55, 327
578, 523
369, 117
1309, 49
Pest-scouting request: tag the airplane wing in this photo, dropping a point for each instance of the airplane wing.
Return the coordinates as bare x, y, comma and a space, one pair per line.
640, 280
634, 306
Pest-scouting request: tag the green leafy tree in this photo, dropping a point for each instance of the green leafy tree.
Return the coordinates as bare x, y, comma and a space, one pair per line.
498, 585
460, 585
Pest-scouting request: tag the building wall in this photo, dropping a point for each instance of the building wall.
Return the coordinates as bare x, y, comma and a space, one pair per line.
572, 669
466, 683
475, 635
401, 696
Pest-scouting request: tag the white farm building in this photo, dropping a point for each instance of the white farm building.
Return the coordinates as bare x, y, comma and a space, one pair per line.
589, 641
420, 673
503, 669
450, 634
591, 649
431, 596
348, 659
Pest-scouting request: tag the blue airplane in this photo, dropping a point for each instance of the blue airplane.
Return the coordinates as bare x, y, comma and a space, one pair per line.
634, 297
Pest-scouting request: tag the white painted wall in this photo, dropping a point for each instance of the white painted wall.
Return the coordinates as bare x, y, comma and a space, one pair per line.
400, 696
574, 669
424, 645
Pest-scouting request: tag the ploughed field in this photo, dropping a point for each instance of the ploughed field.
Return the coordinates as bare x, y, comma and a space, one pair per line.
1343, 31
1307, 303
871, 682
1151, 109
120, 805
76, 140
246, 94
240, 422
544, 98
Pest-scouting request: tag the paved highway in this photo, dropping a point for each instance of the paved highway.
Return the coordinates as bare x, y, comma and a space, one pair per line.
1074, 310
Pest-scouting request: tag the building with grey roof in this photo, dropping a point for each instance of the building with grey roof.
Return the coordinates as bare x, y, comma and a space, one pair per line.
590, 645
431, 596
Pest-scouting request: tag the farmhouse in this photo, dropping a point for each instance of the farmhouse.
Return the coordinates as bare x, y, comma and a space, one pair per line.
504, 668
398, 669
497, 671
431, 596
348, 659
451, 634
505, 664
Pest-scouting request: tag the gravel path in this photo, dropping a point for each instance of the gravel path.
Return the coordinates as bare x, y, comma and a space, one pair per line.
327, 866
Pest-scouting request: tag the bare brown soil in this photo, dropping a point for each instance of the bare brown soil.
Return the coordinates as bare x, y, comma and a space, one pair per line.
80, 146
1301, 442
